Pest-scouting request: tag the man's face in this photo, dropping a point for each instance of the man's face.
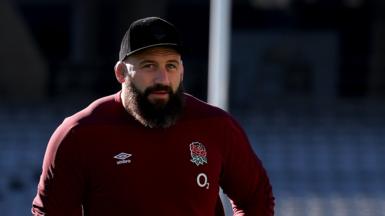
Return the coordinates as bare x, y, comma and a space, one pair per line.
153, 87
157, 71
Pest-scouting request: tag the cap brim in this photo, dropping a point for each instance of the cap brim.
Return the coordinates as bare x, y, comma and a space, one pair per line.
173, 45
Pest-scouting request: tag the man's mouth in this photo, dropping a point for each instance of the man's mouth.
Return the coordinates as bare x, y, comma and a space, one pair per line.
159, 92
159, 95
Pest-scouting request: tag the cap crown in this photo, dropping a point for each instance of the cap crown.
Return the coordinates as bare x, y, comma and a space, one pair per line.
149, 32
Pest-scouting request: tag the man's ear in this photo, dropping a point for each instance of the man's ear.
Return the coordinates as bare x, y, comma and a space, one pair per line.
182, 72
120, 71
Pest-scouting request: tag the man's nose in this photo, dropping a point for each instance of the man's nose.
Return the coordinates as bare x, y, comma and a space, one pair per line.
162, 77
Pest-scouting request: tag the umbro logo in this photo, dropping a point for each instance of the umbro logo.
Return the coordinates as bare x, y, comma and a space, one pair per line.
122, 158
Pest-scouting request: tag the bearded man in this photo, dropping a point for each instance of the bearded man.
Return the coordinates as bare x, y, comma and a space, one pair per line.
151, 148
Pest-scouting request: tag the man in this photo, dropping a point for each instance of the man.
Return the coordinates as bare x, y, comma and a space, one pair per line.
150, 149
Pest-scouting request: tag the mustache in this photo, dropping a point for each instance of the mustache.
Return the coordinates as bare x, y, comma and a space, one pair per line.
158, 87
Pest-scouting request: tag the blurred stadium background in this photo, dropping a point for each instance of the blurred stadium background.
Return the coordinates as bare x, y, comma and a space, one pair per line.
307, 83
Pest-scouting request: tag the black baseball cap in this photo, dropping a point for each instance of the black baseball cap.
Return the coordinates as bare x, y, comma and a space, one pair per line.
149, 32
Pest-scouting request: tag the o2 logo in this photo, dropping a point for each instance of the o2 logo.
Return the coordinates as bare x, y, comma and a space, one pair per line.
202, 180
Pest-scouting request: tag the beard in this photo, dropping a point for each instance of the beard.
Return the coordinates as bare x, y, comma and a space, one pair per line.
157, 114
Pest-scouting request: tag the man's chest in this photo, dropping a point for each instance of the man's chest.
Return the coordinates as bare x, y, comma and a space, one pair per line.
186, 164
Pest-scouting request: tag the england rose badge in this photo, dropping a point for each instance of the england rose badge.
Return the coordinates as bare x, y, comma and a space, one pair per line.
198, 153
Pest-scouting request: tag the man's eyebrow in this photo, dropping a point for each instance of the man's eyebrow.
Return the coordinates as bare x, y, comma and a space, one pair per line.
173, 61
145, 61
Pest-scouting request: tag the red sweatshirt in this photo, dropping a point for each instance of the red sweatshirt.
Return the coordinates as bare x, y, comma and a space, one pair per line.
101, 161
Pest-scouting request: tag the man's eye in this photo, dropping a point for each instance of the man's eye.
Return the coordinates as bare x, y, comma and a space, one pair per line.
171, 66
148, 66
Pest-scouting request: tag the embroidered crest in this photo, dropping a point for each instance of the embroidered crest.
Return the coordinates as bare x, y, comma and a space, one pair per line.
198, 153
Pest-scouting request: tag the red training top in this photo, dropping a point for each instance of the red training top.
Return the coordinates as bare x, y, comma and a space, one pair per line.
101, 161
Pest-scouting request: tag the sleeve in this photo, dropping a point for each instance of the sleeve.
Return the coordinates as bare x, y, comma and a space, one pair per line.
61, 183
244, 179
